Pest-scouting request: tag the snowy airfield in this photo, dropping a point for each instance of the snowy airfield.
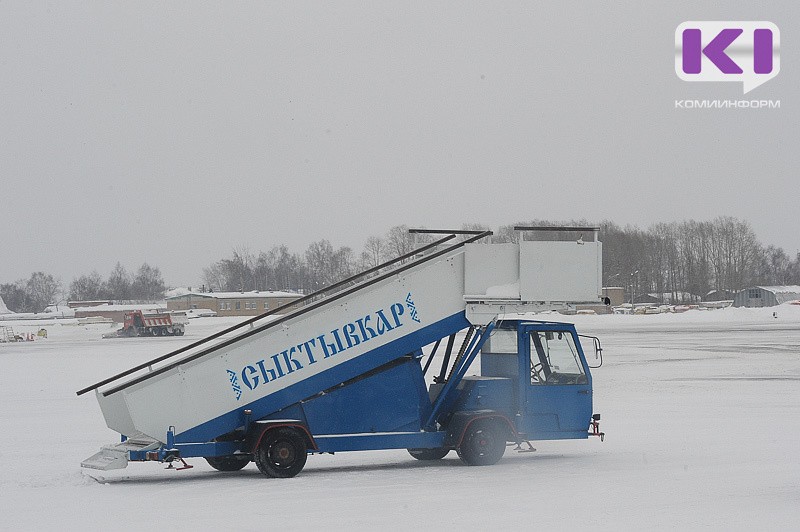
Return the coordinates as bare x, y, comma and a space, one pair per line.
701, 412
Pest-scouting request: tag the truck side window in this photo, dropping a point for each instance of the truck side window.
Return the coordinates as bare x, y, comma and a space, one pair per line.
501, 341
554, 359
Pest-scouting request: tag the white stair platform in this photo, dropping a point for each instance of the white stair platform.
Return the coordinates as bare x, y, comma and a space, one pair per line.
115, 456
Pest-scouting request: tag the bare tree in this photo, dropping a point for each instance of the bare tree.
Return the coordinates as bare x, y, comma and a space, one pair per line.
506, 233
374, 252
399, 241
43, 289
793, 271
214, 277
147, 284
320, 263
15, 296
118, 284
87, 288
239, 270
290, 271
694, 252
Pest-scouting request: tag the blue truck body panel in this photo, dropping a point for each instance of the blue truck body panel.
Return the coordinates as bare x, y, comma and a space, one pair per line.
311, 386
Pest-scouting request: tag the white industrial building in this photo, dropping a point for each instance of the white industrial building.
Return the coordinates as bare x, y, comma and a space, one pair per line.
766, 296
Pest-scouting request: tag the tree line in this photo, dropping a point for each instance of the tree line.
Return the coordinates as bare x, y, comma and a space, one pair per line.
319, 266
679, 261
683, 261
42, 289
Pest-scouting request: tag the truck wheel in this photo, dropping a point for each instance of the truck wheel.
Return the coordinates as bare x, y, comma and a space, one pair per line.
281, 453
179, 332
228, 463
484, 443
428, 454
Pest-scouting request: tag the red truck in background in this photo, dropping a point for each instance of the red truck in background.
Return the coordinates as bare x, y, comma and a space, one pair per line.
137, 323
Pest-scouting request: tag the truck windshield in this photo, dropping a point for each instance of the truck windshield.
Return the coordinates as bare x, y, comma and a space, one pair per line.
554, 359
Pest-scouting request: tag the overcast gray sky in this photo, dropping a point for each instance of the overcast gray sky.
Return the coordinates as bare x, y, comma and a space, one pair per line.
172, 132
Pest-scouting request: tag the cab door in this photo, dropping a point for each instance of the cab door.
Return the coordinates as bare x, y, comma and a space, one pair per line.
558, 388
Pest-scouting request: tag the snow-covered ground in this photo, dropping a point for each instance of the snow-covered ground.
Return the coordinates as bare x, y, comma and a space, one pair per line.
701, 412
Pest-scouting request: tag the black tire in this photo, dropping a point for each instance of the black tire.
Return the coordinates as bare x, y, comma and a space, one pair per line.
281, 453
228, 463
484, 443
428, 454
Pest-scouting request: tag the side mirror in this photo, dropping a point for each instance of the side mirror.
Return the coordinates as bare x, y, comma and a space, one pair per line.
598, 351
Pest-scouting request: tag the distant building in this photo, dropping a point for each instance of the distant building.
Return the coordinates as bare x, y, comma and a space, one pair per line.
116, 312
647, 299
233, 303
616, 296
89, 303
615, 293
766, 296
665, 298
720, 295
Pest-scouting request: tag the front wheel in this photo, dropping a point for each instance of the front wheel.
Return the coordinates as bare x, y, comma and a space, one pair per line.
484, 443
281, 453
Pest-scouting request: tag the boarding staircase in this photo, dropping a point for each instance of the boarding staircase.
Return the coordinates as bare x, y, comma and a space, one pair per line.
266, 363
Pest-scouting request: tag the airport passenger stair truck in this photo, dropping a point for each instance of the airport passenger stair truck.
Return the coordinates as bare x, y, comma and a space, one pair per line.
346, 372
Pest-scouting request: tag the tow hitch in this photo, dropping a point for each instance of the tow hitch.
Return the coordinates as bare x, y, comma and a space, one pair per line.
594, 427
185, 465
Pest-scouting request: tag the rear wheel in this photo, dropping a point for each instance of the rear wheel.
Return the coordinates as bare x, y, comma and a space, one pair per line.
428, 454
228, 463
281, 453
484, 443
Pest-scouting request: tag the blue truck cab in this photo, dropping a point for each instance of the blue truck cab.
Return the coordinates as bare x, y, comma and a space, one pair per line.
541, 373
